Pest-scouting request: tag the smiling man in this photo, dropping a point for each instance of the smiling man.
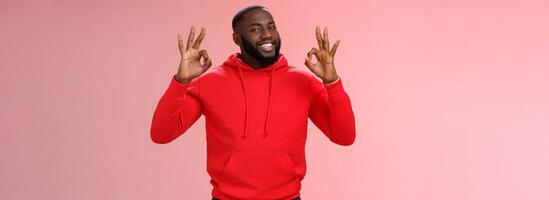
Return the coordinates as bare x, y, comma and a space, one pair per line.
256, 108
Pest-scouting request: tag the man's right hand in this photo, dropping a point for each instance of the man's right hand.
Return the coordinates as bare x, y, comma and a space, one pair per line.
190, 66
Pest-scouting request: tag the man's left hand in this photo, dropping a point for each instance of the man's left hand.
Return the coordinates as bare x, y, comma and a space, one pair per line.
324, 68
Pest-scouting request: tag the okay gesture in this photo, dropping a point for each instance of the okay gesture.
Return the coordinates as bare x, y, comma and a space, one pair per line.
324, 67
191, 56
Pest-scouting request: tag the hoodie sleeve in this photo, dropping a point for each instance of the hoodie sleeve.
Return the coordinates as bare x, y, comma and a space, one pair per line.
332, 113
177, 110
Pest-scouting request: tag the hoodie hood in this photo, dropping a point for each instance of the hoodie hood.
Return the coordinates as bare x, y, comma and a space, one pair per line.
235, 62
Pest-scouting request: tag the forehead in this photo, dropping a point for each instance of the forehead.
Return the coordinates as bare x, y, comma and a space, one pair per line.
257, 16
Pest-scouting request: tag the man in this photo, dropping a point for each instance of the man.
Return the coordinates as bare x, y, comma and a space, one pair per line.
256, 109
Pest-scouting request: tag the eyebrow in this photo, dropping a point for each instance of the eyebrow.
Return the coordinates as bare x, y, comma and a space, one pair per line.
258, 24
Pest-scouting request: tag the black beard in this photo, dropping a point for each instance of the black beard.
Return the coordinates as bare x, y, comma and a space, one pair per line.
254, 52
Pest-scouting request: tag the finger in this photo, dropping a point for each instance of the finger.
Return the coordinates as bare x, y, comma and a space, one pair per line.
200, 38
191, 38
314, 51
334, 49
179, 42
326, 42
319, 38
204, 54
208, 63
309, 63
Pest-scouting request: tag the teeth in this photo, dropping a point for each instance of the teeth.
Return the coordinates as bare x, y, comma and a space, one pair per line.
266, 45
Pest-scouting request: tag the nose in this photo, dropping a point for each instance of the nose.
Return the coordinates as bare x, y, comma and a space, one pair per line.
266, 33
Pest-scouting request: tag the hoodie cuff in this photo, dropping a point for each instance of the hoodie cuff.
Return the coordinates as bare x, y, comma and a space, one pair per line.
332, 82
177, 87
335, 89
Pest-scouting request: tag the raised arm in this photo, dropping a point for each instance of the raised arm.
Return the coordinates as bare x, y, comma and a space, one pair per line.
180, 107
330, 109
332, 113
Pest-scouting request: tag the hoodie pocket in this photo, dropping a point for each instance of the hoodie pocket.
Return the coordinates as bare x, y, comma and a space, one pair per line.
265, 175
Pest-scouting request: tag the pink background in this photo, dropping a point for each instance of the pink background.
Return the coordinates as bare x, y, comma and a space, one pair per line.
450, 98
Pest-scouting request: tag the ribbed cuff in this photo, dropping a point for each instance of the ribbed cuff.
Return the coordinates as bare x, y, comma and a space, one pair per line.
335, 90
177, 87
332, 82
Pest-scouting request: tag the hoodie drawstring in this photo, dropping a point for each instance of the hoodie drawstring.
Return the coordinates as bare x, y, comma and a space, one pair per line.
245, 134
266, 130
265, 133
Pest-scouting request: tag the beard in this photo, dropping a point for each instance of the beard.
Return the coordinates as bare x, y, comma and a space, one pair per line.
255, 53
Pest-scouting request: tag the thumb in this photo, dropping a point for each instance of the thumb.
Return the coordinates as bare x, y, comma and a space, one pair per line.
207, 61
207, 64
309, 63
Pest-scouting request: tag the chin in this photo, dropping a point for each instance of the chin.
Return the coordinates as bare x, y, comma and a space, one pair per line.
268, 56
271, 54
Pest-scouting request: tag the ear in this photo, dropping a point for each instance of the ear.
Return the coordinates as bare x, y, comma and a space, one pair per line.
236, 39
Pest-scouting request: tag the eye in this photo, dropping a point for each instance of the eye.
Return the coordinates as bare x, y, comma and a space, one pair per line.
254, 29
272, 27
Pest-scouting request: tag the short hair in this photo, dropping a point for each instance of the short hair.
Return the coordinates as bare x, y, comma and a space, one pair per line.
240, 15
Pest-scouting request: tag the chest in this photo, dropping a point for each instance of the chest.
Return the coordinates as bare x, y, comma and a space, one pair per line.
286, 97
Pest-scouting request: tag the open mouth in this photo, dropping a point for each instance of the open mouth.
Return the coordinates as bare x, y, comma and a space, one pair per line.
267, 46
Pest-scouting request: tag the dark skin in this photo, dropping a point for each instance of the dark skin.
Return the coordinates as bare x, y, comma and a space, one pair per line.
257, 27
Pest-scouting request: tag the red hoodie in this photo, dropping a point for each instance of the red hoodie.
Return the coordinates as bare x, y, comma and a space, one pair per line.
256, 124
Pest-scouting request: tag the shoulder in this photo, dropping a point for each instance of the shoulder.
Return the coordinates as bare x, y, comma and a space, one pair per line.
300, 73
214, 73
304, 74
315, 84
304, 77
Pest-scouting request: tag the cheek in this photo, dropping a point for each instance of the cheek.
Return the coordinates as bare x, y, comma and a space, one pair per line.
277, 36
252, 38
